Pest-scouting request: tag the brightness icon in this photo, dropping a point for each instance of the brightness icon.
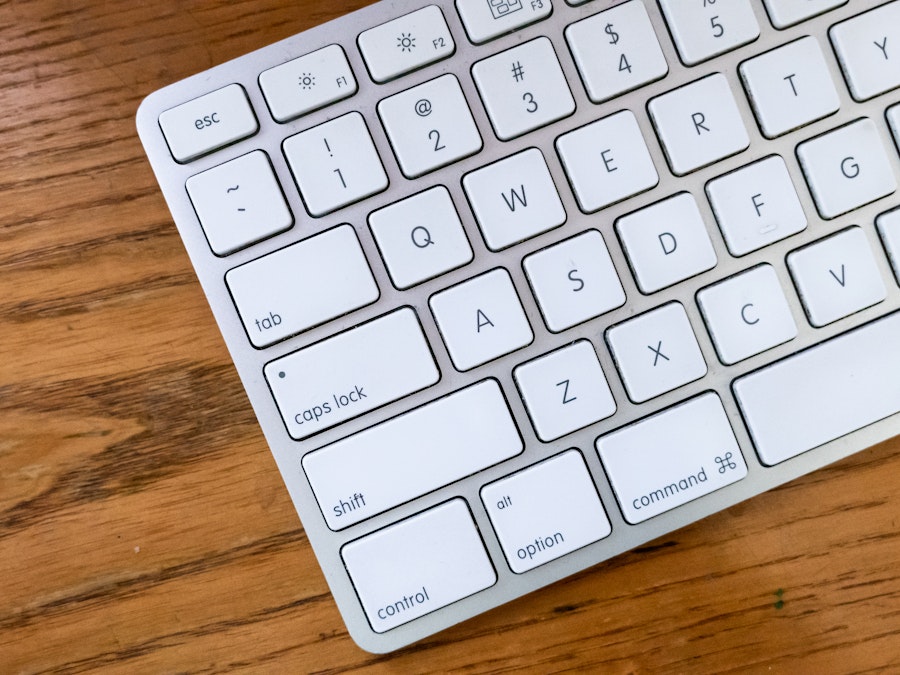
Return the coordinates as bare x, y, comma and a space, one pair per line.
307, 81
406, 42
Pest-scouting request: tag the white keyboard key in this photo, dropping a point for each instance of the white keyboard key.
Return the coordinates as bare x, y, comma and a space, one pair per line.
786, 13
893, 118
889, 228
486, 19
208, 123
824, 392
616, 51
656, 352
747, 314
406, 43
546, 511
671, 458
307, 83
420, 237
666, 242
699, 124
836, 277
418, 565
239, 203
756, 205
351, 373
356, 478
790, 86
846, 168
301, 286
514, 199
574, 281
429, 126
703, 29
335, 164
565, 390
868, 48
481, 319
607, 161
523, 88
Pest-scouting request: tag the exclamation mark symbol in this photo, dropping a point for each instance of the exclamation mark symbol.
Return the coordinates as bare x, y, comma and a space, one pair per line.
328, 147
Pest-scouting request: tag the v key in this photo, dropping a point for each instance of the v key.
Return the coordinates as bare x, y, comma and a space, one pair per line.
842, 280
845, 256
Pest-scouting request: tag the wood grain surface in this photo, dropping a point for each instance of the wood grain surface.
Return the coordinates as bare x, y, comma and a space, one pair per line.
143, 524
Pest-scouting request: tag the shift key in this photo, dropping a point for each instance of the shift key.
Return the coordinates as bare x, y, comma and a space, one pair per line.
351, 373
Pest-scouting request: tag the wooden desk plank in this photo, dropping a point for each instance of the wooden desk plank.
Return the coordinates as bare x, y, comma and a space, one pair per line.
143, 525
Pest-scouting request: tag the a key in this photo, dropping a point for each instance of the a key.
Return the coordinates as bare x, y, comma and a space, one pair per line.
756, 205
706, 28
406, 43
616, 51
418, 565
574, 281
565, 390
545, 511
481, 319
786, 13
868, 48
301, 286
607, 161
822, 393
239, 203
208, 123
514, 199
420, 237
846, 168
351, 373
747, 314
699, 124
486, 19
889, 228
307, 83
671, 458
523, 88
335, 164
429, 126
836, 276
789, 87
666, 242
656, 352
356, 478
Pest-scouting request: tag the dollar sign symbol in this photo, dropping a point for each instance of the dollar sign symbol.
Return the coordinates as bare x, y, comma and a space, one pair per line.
613, 35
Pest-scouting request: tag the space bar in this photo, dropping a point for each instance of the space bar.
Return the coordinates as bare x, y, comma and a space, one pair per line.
823, 393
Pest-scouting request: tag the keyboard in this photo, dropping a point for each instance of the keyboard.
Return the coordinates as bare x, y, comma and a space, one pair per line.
515, 286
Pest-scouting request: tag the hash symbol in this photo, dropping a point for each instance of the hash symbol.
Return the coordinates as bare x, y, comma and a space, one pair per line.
518, 71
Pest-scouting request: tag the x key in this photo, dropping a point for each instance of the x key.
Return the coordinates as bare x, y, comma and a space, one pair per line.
646, 377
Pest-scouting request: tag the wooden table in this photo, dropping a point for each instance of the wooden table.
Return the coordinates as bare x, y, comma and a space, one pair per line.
143, 524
